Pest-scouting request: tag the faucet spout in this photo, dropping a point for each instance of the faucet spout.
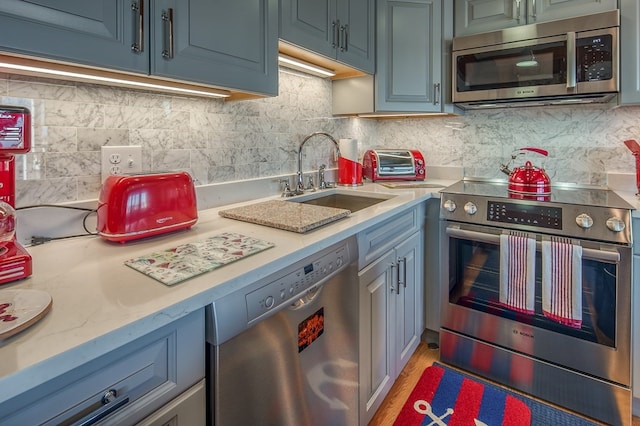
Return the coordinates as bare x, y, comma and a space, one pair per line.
300, 180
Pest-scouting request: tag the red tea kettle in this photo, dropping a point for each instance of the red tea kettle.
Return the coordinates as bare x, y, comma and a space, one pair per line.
528, 179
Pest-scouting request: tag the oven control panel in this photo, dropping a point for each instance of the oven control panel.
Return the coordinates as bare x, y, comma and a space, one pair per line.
522, 214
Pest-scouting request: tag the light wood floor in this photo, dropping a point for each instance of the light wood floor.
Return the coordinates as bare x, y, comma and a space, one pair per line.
391, 406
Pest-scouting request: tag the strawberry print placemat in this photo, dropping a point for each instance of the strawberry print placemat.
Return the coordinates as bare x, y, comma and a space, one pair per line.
177, 264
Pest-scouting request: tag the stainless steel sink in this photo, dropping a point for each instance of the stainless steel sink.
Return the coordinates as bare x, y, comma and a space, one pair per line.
347, 200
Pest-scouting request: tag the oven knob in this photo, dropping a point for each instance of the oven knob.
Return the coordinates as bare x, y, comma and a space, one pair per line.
615, 224
450, 206
584, 221
470, 208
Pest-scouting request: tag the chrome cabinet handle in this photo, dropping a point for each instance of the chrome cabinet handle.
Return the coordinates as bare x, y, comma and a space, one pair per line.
167, 18
344, 33
334, 34
571, 60
436, 91
518, 11
392, 287
402, 273
533, 15
110, 403
138, 21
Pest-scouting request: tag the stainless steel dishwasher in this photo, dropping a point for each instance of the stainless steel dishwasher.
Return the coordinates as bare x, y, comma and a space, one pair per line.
284, 350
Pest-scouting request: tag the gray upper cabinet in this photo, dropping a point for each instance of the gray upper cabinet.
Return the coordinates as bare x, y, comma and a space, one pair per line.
629, 51
232, 44
225, 44
409, 70
477, 16
411, 62
342, 30
97, 33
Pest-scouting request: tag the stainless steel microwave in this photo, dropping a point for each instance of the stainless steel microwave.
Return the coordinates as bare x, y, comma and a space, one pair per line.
559, 62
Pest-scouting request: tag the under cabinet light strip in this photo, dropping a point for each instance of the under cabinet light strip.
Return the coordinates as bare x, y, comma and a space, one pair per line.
45, 69
299, 65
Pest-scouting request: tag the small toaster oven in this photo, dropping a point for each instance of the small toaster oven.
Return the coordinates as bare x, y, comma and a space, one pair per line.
392, 164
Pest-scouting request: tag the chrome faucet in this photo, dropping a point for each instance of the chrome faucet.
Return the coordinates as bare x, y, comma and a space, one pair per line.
300, 184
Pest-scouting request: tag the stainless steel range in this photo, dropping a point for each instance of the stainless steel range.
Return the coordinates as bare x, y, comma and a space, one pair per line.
536, 293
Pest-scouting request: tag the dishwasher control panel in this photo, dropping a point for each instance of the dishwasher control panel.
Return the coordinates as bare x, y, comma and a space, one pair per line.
289, 286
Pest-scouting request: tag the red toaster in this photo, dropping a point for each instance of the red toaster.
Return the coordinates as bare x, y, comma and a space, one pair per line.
143, 205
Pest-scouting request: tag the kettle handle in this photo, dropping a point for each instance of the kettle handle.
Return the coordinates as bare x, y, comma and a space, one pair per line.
537, 150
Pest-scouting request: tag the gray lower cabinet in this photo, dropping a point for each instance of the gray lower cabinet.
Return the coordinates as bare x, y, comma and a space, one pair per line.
629, 48
188, 409
125, 385
231, 45
391, 303
411, 62
477, 16
342, 30
432, 264
635, 318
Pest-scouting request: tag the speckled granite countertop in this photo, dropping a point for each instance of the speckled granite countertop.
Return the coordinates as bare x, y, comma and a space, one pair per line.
296, 217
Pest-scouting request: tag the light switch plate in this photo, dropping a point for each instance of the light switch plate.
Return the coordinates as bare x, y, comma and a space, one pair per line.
121, 160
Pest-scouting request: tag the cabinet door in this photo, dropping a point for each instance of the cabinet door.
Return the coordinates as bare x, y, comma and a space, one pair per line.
310, 24
549, 10
478, 16
409, 56
356, 34
377, 287
188, 409
629, 48
635, 360
409, 299
231, 44
96, 33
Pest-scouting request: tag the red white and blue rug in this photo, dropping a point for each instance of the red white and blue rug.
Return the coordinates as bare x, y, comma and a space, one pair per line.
444, 396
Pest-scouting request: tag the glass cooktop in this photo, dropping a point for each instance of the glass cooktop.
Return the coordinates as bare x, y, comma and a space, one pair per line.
559, 194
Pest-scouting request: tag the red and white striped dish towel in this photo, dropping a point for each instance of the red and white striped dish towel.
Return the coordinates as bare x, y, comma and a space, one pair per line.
517, 271
562, 281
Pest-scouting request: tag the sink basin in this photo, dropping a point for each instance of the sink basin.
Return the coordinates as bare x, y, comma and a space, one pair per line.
342, 200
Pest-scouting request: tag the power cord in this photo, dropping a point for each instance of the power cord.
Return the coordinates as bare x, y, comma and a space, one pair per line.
37, 240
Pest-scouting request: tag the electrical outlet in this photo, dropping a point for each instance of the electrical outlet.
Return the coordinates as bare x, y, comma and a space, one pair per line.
120, 160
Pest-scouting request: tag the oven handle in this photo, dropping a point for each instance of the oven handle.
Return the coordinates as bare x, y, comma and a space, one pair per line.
587, 253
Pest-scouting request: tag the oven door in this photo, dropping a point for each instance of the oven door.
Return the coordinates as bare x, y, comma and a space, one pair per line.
600, 347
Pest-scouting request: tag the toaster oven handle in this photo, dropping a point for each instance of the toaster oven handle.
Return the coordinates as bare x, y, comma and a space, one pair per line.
571, 60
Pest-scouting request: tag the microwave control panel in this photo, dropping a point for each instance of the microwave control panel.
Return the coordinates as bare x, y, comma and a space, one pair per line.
594, 58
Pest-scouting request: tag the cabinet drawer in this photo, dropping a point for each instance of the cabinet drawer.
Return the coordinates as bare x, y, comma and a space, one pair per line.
145, 375
376, 240
188, 409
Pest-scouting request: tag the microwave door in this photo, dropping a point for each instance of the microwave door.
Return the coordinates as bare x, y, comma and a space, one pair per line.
531, 68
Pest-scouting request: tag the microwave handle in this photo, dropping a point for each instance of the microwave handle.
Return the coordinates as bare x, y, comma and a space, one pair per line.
571, 60
483, 237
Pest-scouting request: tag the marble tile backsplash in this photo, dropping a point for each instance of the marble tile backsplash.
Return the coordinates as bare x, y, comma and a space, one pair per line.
220, 141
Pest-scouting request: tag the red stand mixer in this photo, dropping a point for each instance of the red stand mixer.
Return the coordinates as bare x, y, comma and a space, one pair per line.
15, 138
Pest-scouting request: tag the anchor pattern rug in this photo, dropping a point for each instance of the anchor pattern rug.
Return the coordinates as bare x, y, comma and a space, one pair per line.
444, 396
